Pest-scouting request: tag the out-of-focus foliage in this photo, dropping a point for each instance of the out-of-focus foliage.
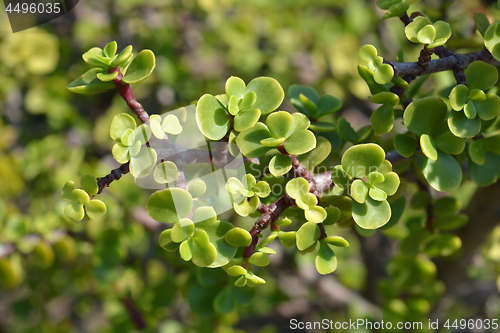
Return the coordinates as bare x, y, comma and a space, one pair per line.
109, 274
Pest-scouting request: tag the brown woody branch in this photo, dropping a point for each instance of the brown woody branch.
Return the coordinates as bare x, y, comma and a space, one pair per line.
126, 92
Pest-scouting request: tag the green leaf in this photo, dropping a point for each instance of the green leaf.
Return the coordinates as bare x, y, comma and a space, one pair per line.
315, 214
294, 93
450, 221
371, 214
359, 160
386, 98
233, 106
120, 124
204, 216
390, 184
225, 301
245, 120
383, 74
425, 115
201, 239
377, 194
317, 155
140, 68
80, 196
235, 87
492, 38
249, 140
247, 206
458, 97
165, 172
333, 215
492, 144
346, 131
88, 83
280, 165
248, 100
386, 4
211, 117
236, 270
322, 127
367, 76
412, 29
272, 142
262, 189
489, 108
279, 123
171, 125
480, 75
74, 211
470, 110
428, 147
462, 126
259, 259
300, 142
443, 244
328, 104
297, 188
326, 261
396, 10
169, 205
375, 178
95, 57
427, 34
299, 123
450, 144
225, 252
443, 174
368, 53
287, 238
359, 190
182, 229
269, 94
110, 49
482, 22
238, 237
310, 106
336, 241
105, 77
405, 144
488, 173
307, 235
166, 241
202, 256
95, 208
67, 190
121, 153
476, 152
382, 119
122, 57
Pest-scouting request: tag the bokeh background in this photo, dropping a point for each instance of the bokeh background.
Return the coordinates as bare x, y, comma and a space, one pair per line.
109, 274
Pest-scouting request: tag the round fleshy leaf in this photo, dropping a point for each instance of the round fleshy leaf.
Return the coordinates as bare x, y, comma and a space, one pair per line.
134, 150
235, 87
397, 10
236, 270
248, 101
296, 90
297, 188
279, 123
405, 144
340, 177
299, 123
185, 250
280, 165
283, 222
272, 142
232, 106
287, 238
95, 208
300, 142
443, 174
120, 124
204, 216
315, 214
368, 53
390, 184
492, 39
169, 205
165, 172
383, 74
88, 83
140, 68
247, 206
427, 34
128, 137
317, 155
233, 185
470, 110
248, 181
238, 237
489, 108
259, 259
74, 211
458, 97
67, 190
143, 163
307, 235
106, 77
269, 93
249, 140
428, 147
386, 98
482, 22
182, 229
197, 188
121, 153
171, 125
203, 256
359, 160
122, 57
371, 214
375, 178
80, 196
166, 241
333, 215
325, 261
450, 144
262, 189
307, 201
328, 104
412, 29
142, 134
110, 49
382, 119
492, 144
359, 190
225, 252
245, 120
488, 173
425, 115
480, 75
322, 127
476, 152
377, 194
211, 117
346, 131
477, 95
462, 126
336, 241
443, 33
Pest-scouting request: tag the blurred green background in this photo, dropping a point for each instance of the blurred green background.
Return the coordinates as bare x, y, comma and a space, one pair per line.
109, 274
